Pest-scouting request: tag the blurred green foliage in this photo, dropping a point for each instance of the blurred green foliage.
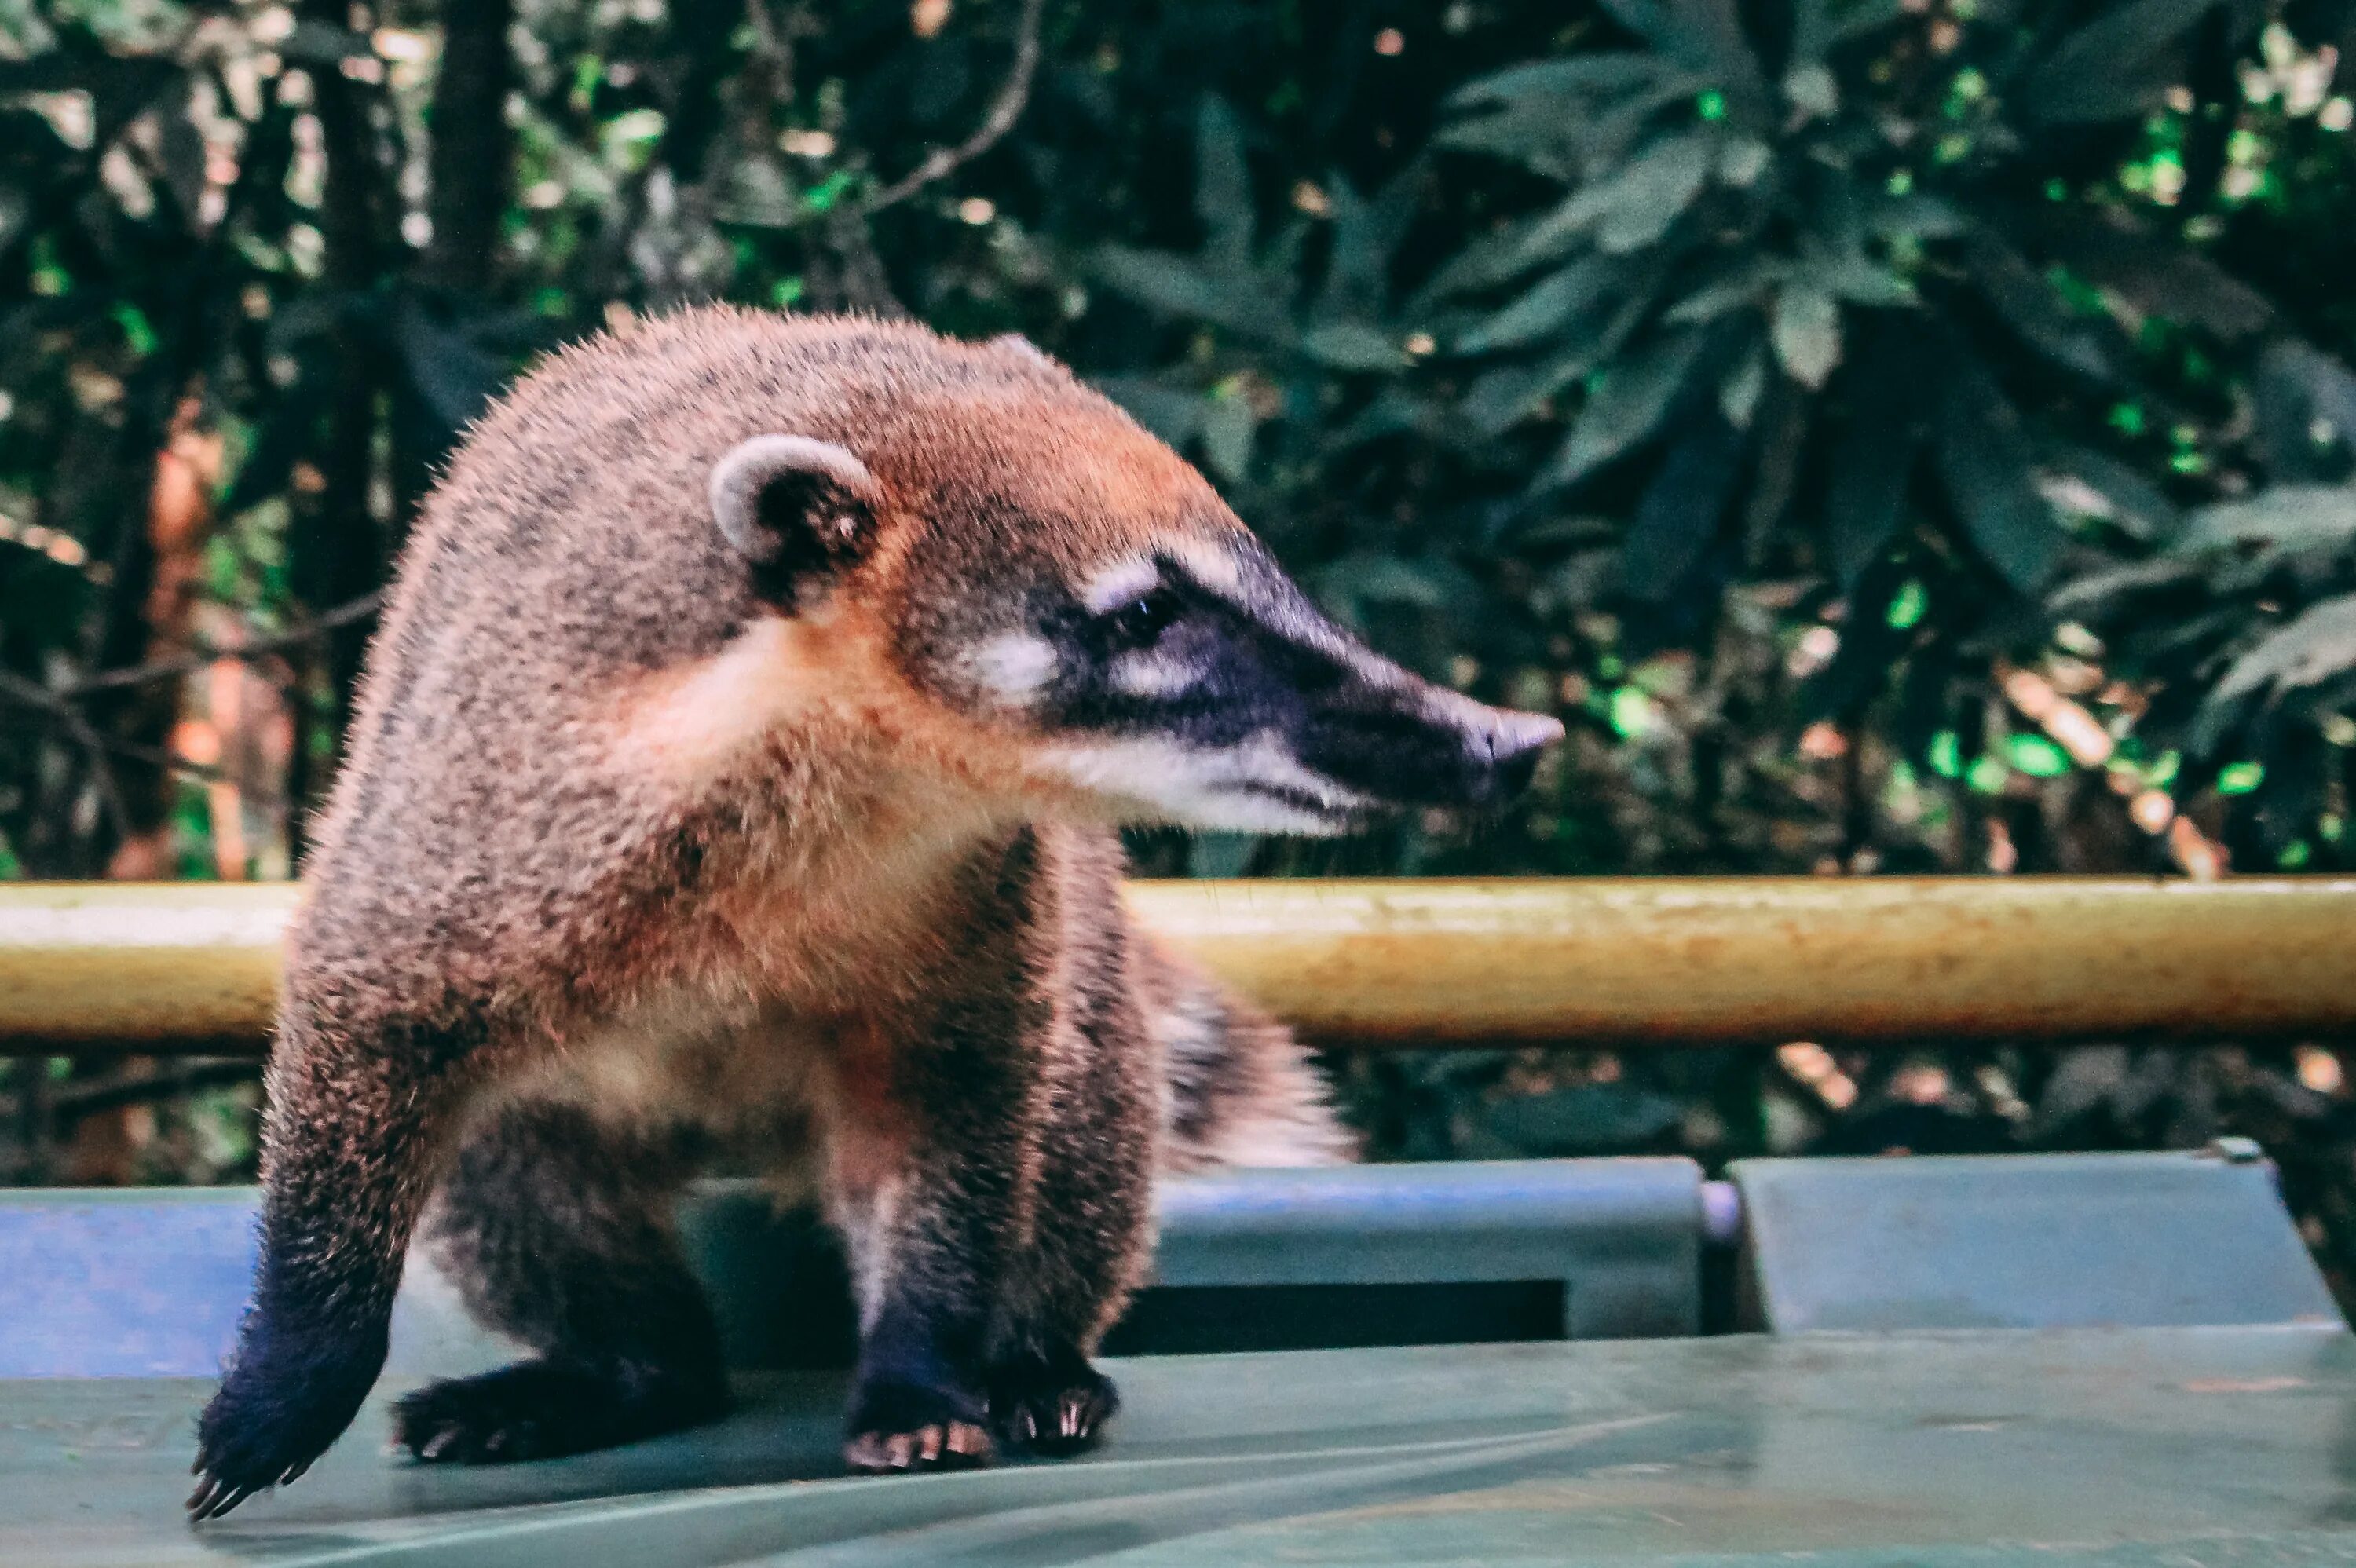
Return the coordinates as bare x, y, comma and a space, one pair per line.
1895, 434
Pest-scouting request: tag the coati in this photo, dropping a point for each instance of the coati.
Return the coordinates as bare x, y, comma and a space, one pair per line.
738, 761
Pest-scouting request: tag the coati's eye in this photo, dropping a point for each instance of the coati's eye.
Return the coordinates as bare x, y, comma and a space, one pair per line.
1140, 622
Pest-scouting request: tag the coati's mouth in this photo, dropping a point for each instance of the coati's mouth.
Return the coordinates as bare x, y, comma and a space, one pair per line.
1314, 813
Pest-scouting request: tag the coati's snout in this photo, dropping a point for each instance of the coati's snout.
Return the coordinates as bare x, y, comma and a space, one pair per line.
1408, 744
1193, 683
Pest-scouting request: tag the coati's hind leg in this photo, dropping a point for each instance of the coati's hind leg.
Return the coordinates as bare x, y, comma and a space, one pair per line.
557, 1228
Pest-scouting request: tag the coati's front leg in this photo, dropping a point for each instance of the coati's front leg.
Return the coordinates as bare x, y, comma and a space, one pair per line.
927, 1181
557, 1226
1098, 1121
990, 1166
357, 1108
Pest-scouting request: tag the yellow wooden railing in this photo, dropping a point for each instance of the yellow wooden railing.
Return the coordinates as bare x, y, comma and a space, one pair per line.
190, 967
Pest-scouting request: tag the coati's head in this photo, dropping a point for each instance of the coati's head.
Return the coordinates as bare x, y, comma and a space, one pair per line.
1057, 591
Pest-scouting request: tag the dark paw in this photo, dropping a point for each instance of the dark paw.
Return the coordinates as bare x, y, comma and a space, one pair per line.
541, 1410
1054, 1407
281, 1404
898, 1426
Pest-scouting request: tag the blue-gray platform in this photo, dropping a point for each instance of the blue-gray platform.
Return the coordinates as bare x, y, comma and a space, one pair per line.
2103, 1359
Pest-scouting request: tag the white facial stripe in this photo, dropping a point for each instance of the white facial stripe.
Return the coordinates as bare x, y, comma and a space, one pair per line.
1115, 585
1212, 565
1013, 664
1153, 675
1217, 790
1215, 567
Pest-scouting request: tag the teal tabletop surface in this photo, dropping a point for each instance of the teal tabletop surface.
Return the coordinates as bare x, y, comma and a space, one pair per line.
2225, 1446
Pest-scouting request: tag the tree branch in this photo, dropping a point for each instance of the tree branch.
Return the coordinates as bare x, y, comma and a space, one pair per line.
95, 746
1013, 96
469, 153
246, 652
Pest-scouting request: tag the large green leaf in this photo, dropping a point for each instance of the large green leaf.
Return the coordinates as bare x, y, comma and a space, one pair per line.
1487, 262
1703, 35
2097, 590
1625, 410
1173, 415
1367, 236
1742, 282
1223, 200
1818, 26
1179, 286
2283, 518
2109, 489
1229, 427
1807, 330
1875, 458
1545, 309
1629, 210
1353, 346
1682, 509
1985, 462
2306, 406
2314, 647
1500, 397
1572, 77
2159, 277
2041, 318
1531, 132
2114, 65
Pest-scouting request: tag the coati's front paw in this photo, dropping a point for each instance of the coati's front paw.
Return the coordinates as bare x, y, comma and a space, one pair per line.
543, 1409
899, 1426
284, 1400
1051, 1406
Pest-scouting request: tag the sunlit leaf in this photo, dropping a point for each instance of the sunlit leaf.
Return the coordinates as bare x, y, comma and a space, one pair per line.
1806, 332
2294, 518
1737, 394
1632, 207
1352, 346
1228, 428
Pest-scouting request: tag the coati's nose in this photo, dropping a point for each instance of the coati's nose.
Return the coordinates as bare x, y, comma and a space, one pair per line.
1516, 742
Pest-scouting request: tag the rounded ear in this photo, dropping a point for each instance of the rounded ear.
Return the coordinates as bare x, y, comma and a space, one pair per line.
1016, 343
794, 507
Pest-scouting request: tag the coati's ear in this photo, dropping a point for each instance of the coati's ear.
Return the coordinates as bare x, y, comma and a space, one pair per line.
797, 508
1016, 343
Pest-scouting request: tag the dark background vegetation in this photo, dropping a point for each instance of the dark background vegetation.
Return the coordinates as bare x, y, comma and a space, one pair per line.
1897, 435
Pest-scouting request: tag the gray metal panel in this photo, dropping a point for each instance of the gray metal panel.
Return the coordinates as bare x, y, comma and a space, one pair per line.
2023, 1241
142, 1283
1623, 1235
